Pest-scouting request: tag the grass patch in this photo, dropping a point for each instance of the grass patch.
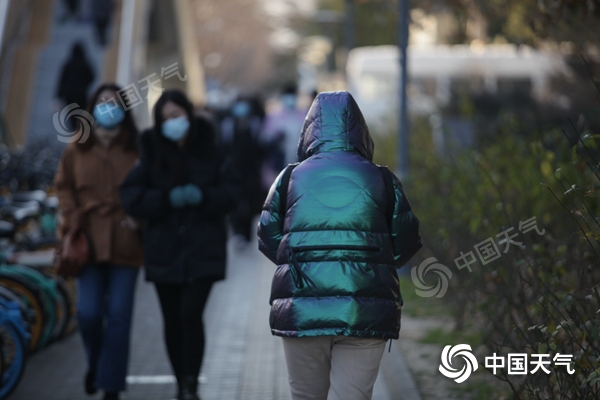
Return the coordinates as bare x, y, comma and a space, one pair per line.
417, 306
481, 390
444, 337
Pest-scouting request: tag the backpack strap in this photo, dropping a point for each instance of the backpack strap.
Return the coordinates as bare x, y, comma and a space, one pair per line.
283, 189
388, 180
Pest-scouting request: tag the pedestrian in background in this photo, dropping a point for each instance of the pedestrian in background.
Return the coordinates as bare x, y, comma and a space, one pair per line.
75, 79
87, 184
240, 137
337, 226
72, 8
182, 187
102, 11
281, 134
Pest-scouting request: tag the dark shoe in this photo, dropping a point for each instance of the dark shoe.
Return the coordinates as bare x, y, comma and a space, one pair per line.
190, 396
111, 396
178, 395
189, 388
90, 377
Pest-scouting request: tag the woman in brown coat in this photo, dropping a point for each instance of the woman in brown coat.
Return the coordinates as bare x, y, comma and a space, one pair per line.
87, 182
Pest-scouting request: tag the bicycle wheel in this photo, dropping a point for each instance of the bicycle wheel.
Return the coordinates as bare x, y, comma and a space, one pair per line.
9, 295
48, 294
67, 288
69, 301
2, 366
30, 295
41, 263
27, 313
65, 309
13, 355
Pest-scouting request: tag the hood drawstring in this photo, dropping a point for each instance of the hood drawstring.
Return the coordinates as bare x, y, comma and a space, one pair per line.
300, 276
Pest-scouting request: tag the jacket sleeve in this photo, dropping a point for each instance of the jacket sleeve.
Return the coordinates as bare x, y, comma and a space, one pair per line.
404, 228
139, 198
66, 192
270, 226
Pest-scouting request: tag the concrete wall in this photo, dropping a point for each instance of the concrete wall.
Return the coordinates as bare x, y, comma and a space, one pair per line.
27, 29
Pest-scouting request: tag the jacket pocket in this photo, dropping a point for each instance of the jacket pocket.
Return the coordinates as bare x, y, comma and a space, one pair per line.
323, 247
299, 276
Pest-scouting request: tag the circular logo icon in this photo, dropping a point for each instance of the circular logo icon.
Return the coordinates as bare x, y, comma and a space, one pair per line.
444, 275
460, 350
71, 135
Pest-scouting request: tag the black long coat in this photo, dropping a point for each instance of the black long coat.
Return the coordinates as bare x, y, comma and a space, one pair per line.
181, 245
76, 77
245, 150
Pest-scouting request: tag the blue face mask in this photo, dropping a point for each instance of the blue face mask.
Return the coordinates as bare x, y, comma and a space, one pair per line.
107, 117
241, 109
289, 101
175, 128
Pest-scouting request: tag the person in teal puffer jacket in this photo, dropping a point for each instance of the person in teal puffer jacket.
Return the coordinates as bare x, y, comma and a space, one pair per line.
337, 240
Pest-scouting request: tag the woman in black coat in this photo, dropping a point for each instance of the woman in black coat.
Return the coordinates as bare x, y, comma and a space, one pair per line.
76, 77
182, 187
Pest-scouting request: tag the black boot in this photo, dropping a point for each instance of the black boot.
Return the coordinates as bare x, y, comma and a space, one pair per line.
111, 396
179, 384
189, 388
178, 395
90, 377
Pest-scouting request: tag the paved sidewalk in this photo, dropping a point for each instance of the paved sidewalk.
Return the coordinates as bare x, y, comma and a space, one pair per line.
243, 361
51, 59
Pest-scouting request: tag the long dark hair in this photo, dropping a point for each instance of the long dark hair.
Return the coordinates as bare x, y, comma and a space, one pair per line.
129, 132
165, 150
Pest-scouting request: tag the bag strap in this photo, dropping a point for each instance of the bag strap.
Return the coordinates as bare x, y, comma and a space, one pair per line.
283, 189
388, 180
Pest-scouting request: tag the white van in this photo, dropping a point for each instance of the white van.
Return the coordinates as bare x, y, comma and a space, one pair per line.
435, 71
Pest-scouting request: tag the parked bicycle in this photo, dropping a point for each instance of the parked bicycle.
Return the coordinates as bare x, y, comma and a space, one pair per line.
13, 346
36, 306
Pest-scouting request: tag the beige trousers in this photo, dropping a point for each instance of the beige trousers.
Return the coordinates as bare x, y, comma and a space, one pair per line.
332, 367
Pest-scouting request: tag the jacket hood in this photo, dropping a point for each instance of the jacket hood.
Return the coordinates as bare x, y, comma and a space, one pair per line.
334, 122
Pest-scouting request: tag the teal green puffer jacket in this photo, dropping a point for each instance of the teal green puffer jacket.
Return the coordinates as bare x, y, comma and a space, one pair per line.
335, 250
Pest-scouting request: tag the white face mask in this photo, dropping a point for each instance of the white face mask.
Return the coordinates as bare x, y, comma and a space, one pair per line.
289, 101
176, 128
